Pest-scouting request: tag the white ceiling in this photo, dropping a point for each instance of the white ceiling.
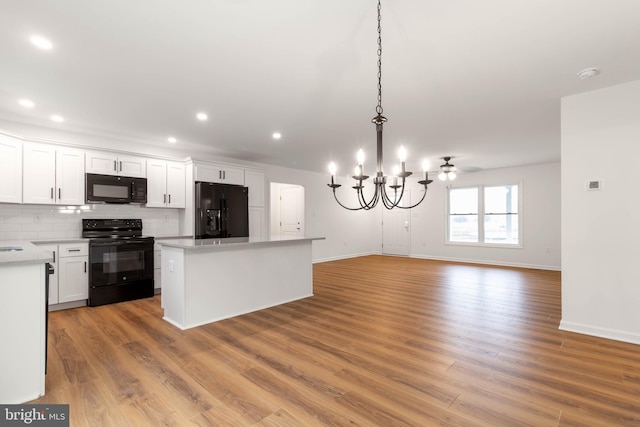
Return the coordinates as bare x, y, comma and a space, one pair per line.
480, 80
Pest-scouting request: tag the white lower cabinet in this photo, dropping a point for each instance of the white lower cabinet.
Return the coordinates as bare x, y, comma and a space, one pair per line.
73, 272
70, 280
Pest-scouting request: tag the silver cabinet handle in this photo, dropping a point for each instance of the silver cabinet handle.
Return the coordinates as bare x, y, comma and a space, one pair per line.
54, 256
59, 193
114, 166
85, 266
169, 198
73, 250
120, 166
164, 198
51, 193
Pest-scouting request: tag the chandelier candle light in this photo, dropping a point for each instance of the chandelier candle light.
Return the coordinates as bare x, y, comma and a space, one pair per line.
380, 180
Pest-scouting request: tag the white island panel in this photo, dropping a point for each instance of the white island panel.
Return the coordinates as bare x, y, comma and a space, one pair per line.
22, 334
204, 283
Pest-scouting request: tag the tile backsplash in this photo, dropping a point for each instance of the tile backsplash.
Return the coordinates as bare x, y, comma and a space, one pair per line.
45, 222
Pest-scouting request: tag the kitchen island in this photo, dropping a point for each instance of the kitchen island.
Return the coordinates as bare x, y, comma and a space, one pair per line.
22, 321
207, 280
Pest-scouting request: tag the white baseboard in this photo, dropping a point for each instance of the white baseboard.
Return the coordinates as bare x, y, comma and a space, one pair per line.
469, 261
499, 263
347, 256
596, 331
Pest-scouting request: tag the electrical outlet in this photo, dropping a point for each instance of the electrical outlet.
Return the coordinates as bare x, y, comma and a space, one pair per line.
37, 218
171, 264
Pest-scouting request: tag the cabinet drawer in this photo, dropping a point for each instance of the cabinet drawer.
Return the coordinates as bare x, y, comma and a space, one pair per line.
73, 249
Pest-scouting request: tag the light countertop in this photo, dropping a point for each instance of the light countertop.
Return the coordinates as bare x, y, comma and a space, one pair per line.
30, 253
229, 242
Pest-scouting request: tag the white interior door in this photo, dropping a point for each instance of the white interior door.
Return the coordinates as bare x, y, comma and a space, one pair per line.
292, 211
396, 227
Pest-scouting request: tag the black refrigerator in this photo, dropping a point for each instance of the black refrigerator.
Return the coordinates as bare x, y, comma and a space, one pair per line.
222, 210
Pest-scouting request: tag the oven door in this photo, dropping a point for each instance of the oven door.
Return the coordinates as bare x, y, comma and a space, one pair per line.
120, 261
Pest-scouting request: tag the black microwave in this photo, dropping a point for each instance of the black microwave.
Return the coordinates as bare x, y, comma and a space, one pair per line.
115, 189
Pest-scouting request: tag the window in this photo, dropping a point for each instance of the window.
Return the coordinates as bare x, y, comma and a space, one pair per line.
484, 215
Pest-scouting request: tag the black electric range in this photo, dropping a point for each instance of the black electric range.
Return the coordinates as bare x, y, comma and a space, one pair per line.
120, 260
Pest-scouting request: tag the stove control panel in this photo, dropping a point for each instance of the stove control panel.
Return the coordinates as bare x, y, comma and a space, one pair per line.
111, 227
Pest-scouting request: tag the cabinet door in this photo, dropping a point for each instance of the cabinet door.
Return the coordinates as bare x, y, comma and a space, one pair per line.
233, 176
101, 162
208, 173
73, 283
39, 174
53, 278
132, 166
176, 185
255, 181
10, 170
156, 183
70, 176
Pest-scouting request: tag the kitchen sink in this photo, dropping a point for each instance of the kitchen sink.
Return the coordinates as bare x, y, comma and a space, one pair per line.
10, 248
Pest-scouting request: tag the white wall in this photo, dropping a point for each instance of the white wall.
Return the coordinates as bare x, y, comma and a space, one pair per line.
600, 233
347, 233
540, 190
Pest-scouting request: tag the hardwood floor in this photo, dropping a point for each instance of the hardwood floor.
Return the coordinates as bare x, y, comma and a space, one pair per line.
385, 341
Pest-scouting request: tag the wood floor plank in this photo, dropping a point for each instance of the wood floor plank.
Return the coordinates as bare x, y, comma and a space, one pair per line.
151, 410
384, 341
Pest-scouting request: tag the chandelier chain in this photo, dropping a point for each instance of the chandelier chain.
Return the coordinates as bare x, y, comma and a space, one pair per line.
390, 193
379, 106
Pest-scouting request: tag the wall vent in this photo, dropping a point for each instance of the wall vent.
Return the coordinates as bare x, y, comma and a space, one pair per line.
594, 185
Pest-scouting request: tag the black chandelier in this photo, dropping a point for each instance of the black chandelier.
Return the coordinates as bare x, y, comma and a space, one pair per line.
380, 180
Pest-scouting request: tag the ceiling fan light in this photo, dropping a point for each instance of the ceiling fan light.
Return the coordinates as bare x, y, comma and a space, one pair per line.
452, 176
442, 176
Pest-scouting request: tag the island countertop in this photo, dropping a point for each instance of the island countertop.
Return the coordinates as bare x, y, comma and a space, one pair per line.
28, 254
230, 242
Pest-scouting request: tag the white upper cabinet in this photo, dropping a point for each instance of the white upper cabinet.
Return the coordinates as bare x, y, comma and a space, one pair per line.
176, 185
106, 163
255, 181
53, 175
166, 184
219, 173
10, 170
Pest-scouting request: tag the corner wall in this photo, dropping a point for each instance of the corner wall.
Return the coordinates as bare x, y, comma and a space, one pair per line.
600, 233
540, 190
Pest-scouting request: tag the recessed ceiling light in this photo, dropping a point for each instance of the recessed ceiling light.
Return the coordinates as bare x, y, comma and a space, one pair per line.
587, 73
27, 103
202, 116
172, 140
57, 118
276, 135
41, 42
